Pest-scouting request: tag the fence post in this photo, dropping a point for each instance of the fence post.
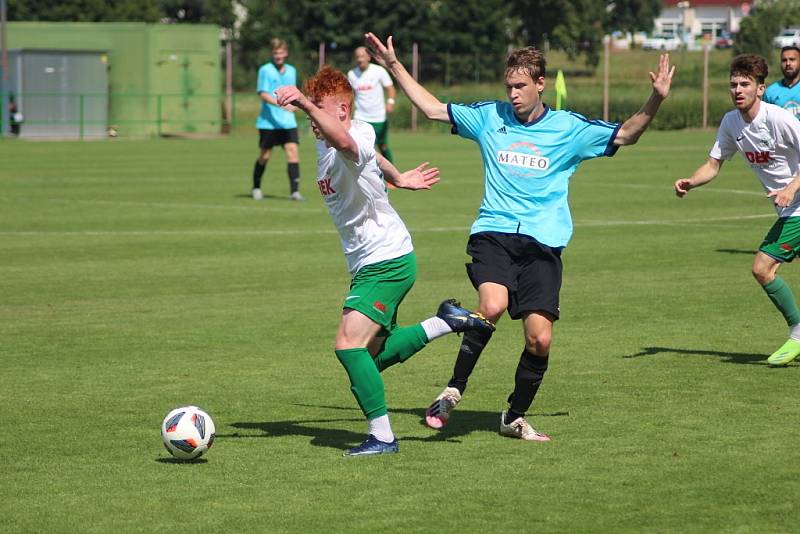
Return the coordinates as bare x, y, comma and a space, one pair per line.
606, 60
80, 111
233, 111
158, 114
415, 74
705, 86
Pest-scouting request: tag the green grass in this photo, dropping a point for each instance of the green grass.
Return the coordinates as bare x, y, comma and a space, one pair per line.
138, 275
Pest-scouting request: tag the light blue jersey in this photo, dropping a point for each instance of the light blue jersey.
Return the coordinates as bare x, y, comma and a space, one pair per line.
784, 96
527, 167
269, 79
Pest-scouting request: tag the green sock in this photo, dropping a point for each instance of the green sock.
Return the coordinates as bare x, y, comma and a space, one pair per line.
365, 381
401, 344
781, 296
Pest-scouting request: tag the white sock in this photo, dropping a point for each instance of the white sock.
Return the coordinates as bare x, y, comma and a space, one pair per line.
381, 429
435, 327
794, 332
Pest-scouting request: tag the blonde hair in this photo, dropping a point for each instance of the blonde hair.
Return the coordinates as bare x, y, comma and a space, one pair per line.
277, 44
528, 60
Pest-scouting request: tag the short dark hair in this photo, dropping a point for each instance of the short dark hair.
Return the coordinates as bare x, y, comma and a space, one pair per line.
528, 60
750, 66
790, 47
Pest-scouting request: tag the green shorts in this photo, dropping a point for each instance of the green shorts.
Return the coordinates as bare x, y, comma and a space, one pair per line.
378, 289
381, 132
783, 239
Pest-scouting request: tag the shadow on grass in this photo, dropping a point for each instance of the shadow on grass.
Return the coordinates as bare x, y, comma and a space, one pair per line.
726, 357
468, 421
178, 461
737, 251
267, 196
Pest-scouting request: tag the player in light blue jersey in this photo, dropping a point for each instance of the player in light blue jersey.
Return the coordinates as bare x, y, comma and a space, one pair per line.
786, 92
276, 125
529, 153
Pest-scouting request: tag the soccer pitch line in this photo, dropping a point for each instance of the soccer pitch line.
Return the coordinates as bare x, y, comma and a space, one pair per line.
320, 231
706, 188
264, 206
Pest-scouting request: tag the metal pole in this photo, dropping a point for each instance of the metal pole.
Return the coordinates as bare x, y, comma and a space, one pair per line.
229, 84
606, 61
705, 86
158, 111
4, 90
321, 54
80, 120
415, 75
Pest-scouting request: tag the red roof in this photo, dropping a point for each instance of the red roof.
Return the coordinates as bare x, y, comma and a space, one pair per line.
700, 3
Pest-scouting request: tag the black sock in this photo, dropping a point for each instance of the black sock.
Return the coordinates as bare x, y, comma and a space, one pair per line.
293, 170
471, 348
258, 172
528, 378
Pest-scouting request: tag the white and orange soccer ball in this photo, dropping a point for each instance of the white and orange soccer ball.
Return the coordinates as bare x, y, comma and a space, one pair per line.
187, 432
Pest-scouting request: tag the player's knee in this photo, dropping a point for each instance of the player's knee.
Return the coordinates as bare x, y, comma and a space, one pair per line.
538, 343
492, 310
762, 275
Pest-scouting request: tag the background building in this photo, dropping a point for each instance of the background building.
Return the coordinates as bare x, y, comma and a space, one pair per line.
696, 20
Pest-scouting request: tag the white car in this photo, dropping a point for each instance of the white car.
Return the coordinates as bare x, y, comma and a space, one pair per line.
788, 37
661, 42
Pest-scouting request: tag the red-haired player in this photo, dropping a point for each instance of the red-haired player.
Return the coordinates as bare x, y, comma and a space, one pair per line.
378, 248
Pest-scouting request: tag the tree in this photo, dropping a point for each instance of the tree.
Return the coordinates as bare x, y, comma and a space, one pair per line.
84, 10
629, 16
766, 20
576, 27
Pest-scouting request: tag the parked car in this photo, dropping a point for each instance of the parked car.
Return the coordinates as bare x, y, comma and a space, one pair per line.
724, 41
788, 37
661, 42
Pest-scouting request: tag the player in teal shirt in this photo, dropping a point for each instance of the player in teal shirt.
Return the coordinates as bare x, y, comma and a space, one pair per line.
786, 92
529, 153
277, 125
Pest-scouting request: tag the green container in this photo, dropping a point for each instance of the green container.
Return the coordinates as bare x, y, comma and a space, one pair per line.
164, 79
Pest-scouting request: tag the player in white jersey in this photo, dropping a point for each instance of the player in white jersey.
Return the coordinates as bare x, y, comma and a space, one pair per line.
369, 82
378, 249
768, 136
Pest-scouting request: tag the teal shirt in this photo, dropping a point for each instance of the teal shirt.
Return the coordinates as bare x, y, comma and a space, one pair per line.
785, 97
269, 79
527, 166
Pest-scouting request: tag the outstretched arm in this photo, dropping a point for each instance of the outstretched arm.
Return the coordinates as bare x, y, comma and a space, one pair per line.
704, 174
329, 126
418, 178
634, 127
419, 96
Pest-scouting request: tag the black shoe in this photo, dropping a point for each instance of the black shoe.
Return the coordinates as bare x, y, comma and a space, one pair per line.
461, 319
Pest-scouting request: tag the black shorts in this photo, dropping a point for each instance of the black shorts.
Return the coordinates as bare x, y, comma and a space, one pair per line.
271, 138
530, 270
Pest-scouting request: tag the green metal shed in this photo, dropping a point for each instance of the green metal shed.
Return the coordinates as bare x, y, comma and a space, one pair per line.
164, 79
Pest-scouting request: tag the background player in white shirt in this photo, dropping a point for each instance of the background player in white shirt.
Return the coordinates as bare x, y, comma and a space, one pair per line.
768, 136
369, 82
378, 249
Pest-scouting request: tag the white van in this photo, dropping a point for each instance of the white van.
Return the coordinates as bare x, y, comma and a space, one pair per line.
788, 37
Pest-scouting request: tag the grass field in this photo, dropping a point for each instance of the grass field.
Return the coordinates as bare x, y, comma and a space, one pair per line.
138, 275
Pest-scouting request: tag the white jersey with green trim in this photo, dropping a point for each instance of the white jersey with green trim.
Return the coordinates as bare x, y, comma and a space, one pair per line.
354, 191
368, 86
770, 144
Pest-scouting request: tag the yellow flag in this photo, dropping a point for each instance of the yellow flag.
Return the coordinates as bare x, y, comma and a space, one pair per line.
561, 90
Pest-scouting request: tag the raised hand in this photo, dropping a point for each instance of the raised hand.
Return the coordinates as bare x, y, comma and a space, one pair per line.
418, 178
383, 54
662, 80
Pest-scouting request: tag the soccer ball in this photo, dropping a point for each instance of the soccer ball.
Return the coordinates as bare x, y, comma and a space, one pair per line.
187, 432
